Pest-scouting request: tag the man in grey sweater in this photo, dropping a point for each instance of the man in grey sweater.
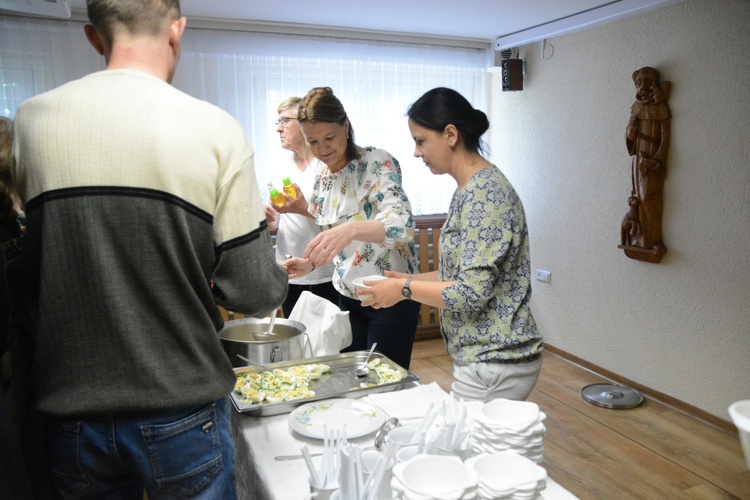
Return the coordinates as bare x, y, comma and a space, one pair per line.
143, 214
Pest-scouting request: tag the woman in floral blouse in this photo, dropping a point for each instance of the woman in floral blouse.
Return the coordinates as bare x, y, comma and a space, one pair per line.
359, 201
483, 285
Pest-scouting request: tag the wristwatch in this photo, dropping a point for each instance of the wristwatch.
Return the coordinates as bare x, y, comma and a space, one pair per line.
406, 291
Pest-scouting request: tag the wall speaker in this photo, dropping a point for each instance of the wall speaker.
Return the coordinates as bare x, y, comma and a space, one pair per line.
512, 74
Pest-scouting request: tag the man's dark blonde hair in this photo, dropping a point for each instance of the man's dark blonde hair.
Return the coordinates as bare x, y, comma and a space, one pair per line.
138, 17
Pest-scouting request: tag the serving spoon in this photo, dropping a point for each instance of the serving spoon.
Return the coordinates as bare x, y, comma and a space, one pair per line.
363, 369
273, 320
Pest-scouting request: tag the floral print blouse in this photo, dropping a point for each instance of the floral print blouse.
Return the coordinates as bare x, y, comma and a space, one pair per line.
368, 188
484, 247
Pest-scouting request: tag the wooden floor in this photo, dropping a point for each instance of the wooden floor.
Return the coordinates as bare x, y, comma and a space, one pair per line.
649, 452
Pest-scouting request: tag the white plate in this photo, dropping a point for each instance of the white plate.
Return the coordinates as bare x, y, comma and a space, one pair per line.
360, 418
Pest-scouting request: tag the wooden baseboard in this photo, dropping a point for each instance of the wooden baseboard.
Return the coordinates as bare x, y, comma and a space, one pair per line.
647, 392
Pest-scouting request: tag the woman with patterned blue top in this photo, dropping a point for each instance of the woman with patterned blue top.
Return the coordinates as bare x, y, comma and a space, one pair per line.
368, 227
483, 284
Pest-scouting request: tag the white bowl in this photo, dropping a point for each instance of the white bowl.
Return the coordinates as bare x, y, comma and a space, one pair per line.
509, 414
504, 471
360, 287
436, 477
360, 282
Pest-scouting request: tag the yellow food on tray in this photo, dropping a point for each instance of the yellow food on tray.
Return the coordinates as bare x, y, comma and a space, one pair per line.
279, 385
385, 373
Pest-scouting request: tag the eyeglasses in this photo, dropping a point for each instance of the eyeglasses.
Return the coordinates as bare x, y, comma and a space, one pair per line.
284, 121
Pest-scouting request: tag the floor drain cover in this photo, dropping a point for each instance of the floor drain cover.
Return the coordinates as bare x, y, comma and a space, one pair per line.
612, 396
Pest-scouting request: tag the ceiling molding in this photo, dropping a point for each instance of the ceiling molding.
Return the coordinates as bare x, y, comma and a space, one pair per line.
313, 30
610, 12
332, 31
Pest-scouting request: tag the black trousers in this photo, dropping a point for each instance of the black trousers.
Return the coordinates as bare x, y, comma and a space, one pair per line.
393, 328
325, 290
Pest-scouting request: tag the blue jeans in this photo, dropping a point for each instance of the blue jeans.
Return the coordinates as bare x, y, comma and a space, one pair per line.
181, 453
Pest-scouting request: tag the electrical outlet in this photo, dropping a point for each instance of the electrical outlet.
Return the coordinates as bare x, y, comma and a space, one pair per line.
543, 276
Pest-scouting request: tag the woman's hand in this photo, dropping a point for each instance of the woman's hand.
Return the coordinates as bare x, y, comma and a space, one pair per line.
271, 219
297, 267
324, 247
296, 205
384, 293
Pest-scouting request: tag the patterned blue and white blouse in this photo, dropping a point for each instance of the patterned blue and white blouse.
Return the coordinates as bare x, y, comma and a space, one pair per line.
484, 247
367, 188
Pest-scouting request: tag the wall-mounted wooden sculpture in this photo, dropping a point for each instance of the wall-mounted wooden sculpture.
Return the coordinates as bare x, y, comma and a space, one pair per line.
647, 139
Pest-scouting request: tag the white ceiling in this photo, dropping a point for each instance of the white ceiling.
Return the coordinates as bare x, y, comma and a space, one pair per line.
483, 20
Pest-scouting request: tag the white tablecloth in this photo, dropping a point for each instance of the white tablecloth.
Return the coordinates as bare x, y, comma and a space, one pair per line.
260, 439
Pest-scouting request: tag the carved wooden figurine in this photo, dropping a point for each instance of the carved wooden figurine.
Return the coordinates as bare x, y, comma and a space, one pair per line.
647, 139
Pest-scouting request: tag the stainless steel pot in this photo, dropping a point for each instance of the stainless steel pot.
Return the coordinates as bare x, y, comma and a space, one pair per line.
249, 338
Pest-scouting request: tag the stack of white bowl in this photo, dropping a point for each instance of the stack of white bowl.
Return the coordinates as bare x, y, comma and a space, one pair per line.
507, 475
507, 425
434, 477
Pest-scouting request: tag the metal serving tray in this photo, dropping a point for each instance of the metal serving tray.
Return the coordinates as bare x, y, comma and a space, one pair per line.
340, 382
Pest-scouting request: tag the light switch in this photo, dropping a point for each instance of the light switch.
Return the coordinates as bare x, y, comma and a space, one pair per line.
543, 276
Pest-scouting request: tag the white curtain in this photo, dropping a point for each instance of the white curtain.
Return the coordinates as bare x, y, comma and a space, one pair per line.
249, 73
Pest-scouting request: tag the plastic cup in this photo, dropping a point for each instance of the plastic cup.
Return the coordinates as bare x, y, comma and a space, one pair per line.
740, 413
318, 493
369, 458
402, 435
406, 453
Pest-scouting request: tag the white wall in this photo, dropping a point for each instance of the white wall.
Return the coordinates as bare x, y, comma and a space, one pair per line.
681, 327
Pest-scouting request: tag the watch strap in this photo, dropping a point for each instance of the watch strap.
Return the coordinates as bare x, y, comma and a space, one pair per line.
406, 290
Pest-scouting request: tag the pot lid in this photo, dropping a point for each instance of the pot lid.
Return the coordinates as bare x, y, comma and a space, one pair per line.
612, 396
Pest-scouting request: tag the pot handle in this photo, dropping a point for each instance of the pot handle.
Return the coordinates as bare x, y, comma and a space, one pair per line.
274, 352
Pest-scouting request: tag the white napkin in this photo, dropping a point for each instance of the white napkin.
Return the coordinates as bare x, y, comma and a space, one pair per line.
410, 405
328, 327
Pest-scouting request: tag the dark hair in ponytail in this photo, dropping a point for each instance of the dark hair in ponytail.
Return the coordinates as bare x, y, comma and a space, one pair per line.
441, 107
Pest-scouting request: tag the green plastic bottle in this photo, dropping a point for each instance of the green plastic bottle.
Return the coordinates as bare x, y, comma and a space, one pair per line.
289, 187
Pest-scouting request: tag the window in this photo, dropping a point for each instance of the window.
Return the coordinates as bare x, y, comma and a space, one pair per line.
249, 73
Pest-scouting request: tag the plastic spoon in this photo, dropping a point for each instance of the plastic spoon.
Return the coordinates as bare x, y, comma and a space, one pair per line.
364, 368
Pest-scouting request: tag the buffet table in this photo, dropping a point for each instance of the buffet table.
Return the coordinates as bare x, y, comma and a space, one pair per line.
258, 440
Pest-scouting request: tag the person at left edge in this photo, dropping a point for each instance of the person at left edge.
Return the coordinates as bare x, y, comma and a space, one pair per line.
139, 197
